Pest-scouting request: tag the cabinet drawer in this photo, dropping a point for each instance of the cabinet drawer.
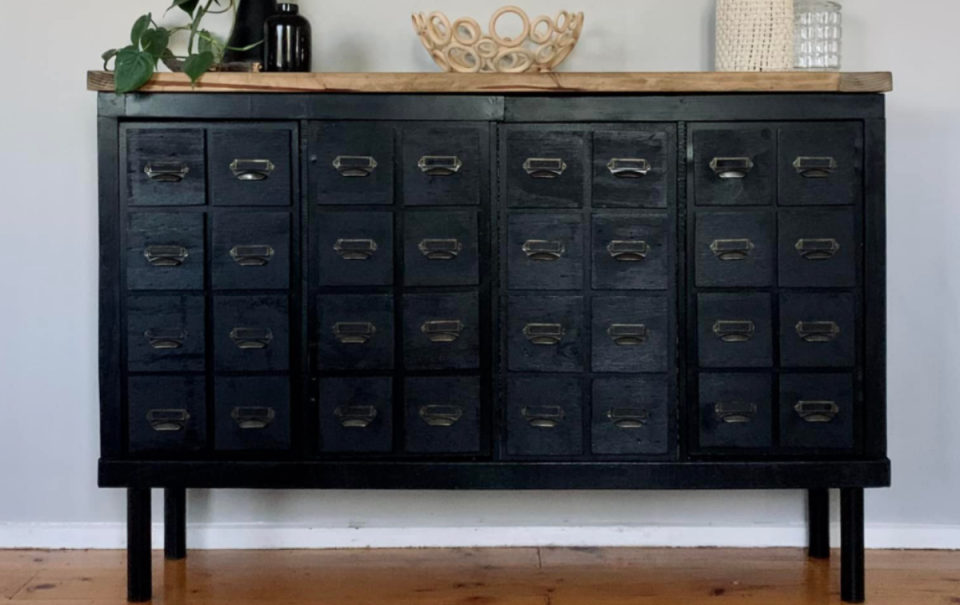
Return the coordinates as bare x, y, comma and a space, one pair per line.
545, 333
544, 416
252, 333
166, 167
631, 252
355, 249
441, 167
165, 251
736, 249
441, 331
166, 334
821, 165
736, 331
441, 249
818, 249
253, 414
355, 332
356, 415
817, 411
352, 163
250, 167
167, 414
630, 416
545, 252
818, 330
251, 251
735, 166
443, 415
544, 168
632, 169
736, 411
630, 334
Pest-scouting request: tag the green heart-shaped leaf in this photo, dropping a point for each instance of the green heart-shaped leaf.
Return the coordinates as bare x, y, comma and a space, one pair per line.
155, 42
139, 28
134, 69
197, 65
187, 6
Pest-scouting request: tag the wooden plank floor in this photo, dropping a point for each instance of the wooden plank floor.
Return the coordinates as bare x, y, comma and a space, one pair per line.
529, 576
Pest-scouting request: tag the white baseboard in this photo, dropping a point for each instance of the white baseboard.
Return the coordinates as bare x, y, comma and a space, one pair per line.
275, 536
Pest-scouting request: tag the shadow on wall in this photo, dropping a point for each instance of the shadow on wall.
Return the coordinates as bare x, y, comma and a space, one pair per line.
709, 34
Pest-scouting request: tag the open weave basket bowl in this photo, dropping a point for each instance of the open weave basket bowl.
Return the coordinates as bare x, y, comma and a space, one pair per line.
462, 46
755, 35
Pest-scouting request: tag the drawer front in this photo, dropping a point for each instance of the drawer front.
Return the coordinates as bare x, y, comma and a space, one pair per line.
250, 167
736, 411
252, 333
817, 411
735, 166
166, 167
545, 333
441, 249
821, 165
167, 414
735, 331
165, 251
630, 334
352, 163
253, 414
736, 249
631, 252
356, 415
544, 416
544, 168
818, 330
631, 169
251, 251
545, 252
441, 167
818, 249
443, 415
441, 331
630, 416
356, 332
355, 249
166, 334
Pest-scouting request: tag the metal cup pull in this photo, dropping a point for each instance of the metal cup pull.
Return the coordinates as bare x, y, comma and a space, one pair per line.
543, 416
251, 338
441, 416
440, 165
543, 250
817, 411
628, 335
355, 249
629, 418
441, 249
166, 256
355, 166
628, 251
735, 412
818, 331
818, 249
548, 335
354, 333
732, 168
168, 421
545, 168
252, 256
629, 168
252, 170
356, 416
166, 172
734, 331
166, 339
443, 331
253, 419
732, 249
815, 168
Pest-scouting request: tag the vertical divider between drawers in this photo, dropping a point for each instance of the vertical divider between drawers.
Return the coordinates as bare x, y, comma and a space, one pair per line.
399, 218
681, 401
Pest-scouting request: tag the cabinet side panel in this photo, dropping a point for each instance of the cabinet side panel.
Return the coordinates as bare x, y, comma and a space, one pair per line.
875, 233
111, 440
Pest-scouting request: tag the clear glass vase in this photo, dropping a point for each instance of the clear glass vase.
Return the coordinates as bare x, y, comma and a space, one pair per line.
818, 35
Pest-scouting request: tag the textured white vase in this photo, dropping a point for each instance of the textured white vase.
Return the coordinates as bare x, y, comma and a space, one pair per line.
755, 35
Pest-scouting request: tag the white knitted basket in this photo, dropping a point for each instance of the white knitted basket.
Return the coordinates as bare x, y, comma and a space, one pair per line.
755, 35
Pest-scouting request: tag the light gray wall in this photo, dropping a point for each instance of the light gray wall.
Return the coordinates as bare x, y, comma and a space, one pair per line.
48, 280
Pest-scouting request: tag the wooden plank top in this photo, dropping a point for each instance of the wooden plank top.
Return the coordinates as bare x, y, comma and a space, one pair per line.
534, 83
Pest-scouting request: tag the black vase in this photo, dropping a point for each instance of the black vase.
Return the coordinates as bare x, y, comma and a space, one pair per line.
287, 39
248, 30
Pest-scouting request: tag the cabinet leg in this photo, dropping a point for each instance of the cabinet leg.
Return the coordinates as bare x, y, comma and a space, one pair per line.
175, 523
139, 570
819, 523
852, 588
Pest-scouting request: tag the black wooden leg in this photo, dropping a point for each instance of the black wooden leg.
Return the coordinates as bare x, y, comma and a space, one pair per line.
139, 572
819, 523
175, 523
852, 564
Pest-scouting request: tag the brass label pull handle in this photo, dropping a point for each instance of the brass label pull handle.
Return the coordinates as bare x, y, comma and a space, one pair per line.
443, 331
252, 170
166, 339
732, 168
355, 166
732, 249
628, 251
166, 172
356, 416
168, 421
815, 168
629, 168
440, 165
735, 412
354, 333
253, 418
629, 418
249, 339
441, 416
541, 250
355, 249
628, 335
817, 411
545, 168
252, 256
734, 331
543, 416
166, 256
548, 335
818, 249
441, 249
818, 331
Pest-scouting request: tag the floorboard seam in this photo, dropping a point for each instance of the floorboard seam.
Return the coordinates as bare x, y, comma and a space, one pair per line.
23, 586
539, 559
